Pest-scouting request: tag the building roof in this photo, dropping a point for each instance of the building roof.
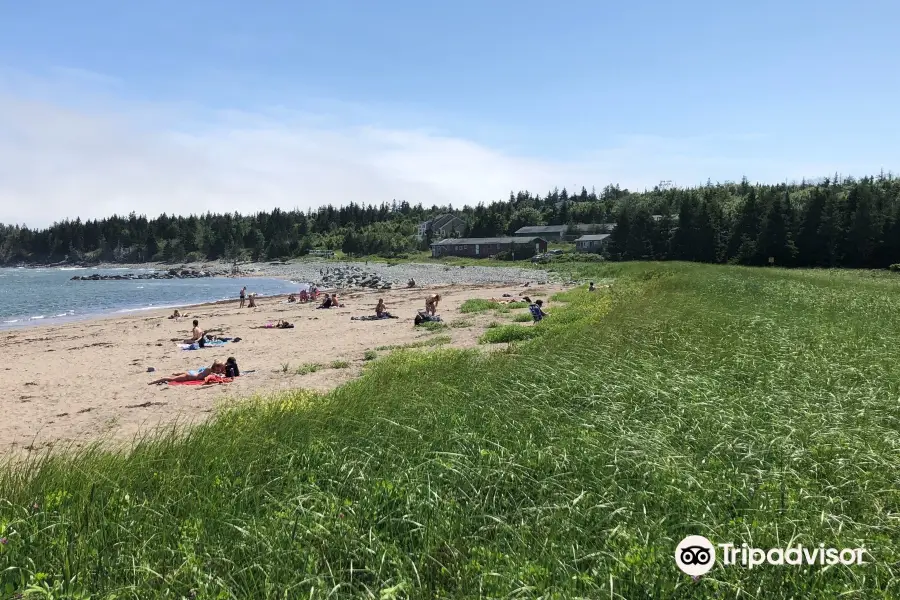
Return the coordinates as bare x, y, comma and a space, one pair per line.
536, 229
592, 238
580, 227
494, 240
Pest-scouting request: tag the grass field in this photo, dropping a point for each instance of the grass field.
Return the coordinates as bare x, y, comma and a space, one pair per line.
756, 406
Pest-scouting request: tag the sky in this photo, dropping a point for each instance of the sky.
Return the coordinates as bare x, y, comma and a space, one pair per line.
187, 107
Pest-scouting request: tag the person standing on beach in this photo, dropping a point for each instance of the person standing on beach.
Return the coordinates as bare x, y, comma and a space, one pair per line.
243, 295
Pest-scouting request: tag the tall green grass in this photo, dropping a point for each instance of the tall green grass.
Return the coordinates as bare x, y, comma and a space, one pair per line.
745, 405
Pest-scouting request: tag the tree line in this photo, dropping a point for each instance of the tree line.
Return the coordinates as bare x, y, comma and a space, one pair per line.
832, 222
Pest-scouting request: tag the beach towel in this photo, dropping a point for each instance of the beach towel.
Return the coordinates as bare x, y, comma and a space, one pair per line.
196, 346
374, 317
211, 380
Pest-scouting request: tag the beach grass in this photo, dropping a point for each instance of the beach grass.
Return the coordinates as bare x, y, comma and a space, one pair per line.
745, 405
500, 334
308, 368
475, 305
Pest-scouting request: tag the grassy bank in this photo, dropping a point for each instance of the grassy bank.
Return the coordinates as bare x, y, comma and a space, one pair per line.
754, 406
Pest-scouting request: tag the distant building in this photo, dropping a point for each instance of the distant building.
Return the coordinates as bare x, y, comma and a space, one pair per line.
442, 226
561, 232
592, 243
522, 247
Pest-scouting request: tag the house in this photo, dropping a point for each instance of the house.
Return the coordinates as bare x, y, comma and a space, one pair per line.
442, 226
592, 243
561, 232
521, 247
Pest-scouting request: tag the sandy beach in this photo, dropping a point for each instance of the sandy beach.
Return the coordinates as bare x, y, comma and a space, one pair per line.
72, 384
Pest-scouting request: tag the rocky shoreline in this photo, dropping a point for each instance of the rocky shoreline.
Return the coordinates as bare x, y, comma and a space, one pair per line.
170, 274
335, 274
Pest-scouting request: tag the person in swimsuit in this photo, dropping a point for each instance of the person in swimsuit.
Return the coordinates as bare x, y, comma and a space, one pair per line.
243, 295
217, 368
431, 304
196, 334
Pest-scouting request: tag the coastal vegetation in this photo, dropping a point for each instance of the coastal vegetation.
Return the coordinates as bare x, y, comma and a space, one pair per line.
833, 222
742, 404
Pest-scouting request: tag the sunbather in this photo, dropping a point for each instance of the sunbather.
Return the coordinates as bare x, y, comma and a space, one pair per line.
326, 303
197, 334
217, 368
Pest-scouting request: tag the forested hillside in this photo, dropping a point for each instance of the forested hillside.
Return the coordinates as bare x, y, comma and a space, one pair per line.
833, 222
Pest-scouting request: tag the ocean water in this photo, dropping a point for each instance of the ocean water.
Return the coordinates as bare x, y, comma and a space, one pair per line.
39, 296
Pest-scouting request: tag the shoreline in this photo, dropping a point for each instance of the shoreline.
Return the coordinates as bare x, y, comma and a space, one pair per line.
297, 273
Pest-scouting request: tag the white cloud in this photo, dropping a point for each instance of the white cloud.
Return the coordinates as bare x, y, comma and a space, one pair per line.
100, 156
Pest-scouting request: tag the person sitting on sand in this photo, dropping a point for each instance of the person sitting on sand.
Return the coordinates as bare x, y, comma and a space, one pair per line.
334, 302
304, 296
252, 302
537, 312
326, 303
380, 309
231, 368
591, 288
217, 368
411, 283
197, 334
292, 298
431, 304
176, 315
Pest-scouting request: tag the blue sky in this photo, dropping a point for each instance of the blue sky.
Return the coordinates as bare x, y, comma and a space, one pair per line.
109, 106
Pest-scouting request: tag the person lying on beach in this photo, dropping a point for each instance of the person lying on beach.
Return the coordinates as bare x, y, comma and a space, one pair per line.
431, 304
284, 325
197, 334
217, 368
424, 317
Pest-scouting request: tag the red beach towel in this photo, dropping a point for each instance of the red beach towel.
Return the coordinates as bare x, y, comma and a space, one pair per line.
210, 380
